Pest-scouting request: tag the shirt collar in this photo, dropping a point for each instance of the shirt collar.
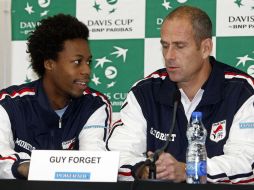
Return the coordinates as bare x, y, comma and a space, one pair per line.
213, 87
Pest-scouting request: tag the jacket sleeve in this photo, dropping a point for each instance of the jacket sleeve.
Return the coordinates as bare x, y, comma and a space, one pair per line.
128, 136
237, 163
93, 134
9, 159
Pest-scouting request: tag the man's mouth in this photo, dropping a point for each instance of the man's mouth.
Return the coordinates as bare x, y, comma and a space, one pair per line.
81, 84
171, 68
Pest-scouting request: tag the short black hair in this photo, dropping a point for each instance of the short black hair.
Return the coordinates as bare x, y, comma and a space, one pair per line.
200, 21
48, 38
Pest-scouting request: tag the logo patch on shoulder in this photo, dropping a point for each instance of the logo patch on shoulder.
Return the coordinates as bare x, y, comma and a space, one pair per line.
218, 131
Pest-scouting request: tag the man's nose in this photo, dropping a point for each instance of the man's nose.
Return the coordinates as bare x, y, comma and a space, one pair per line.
85, 69
170, 53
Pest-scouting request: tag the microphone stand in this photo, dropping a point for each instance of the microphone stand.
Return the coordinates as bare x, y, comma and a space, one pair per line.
152, 166
155, 156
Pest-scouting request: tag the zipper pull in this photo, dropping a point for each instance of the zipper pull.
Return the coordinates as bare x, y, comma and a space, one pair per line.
60, 123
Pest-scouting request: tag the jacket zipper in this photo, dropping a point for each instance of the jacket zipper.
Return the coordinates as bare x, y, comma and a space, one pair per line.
52, 135
60, 123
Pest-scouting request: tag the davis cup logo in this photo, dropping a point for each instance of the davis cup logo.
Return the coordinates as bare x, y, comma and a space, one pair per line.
241, 20
218, 131
112, 19
26, 27
27, 14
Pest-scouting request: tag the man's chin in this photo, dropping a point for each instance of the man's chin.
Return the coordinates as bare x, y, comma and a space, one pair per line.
76, 95
173, 77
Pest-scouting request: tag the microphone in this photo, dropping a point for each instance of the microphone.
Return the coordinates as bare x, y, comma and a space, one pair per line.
151, 161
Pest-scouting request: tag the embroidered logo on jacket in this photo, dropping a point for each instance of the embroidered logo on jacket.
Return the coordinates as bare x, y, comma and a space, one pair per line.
69, 145
218, 131
24, 144
161, 136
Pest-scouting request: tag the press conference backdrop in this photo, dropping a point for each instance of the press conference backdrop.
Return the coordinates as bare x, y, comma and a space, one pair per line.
125, 37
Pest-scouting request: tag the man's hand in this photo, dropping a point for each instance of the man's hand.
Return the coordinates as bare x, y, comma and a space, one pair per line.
23, 169
167, 168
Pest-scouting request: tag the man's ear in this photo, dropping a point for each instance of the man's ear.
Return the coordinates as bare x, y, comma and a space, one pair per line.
48, 64
206, 47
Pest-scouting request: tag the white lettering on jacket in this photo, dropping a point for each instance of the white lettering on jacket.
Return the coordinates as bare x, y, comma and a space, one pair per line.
24, 145
162, 136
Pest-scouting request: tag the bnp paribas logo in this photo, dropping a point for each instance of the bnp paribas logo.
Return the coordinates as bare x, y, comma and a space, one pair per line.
106, 7
33, 9
26, 16
105, 70
247, 62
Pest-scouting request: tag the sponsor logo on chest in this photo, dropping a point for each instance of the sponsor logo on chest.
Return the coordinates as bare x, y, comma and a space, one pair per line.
218, 131
24, 144
162, 136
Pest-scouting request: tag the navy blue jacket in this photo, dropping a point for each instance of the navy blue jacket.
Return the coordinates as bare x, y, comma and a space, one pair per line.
226, 104
35, 125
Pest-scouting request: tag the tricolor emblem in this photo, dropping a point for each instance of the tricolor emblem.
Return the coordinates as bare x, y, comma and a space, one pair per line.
218, 131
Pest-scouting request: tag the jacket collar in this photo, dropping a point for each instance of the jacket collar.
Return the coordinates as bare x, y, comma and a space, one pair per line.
42, 97
213, 87
166, 92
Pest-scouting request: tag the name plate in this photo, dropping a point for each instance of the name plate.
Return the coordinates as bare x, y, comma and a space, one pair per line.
63, 165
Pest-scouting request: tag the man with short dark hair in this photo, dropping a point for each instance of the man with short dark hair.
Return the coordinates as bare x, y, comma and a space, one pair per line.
58, 111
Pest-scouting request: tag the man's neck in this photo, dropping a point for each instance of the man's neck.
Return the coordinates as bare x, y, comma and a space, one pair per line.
191, 87
57, 100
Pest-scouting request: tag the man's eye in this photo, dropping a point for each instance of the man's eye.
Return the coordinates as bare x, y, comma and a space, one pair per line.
180, 46
164, 46
89, 62
77, 62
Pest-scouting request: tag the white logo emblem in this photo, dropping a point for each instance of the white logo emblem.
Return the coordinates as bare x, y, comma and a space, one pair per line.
167, 6
110, 71
42, 3
218, 131
243, 61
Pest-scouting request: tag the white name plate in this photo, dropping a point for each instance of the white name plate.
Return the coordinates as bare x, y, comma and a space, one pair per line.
63, 165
